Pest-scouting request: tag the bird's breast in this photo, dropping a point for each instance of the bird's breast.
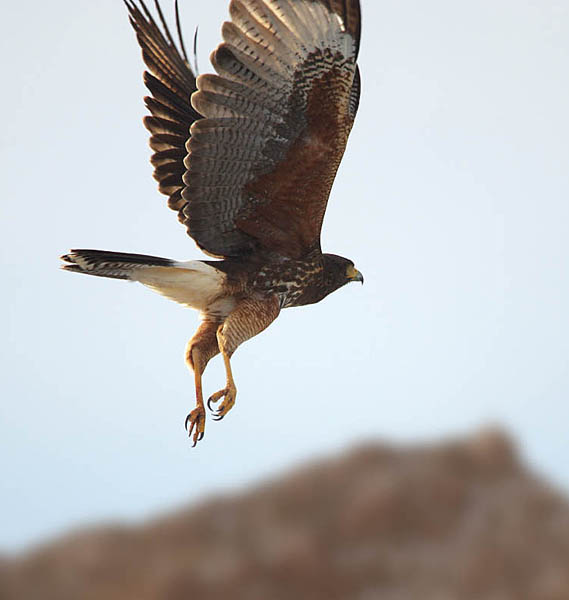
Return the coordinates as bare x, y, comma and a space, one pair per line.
295, 282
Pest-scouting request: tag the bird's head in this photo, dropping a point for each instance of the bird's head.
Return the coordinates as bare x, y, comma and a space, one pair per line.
338, 271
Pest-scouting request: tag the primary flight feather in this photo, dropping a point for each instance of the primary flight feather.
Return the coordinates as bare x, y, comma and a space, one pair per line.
247, 158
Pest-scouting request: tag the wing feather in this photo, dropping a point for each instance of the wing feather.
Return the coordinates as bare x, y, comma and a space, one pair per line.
250, 162
170, 82
261, 163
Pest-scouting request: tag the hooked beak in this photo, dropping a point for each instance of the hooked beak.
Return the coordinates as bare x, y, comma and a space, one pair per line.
359, 277
355, 275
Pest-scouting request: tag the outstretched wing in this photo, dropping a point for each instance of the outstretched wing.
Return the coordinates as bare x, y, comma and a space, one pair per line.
171, 83
261, 163
255, 174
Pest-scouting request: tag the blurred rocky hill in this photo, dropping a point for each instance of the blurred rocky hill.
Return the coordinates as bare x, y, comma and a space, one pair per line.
457, 521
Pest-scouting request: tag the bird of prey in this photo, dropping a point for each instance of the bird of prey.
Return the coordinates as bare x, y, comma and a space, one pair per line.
247, 158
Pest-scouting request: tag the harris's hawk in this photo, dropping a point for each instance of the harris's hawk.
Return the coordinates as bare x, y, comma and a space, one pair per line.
247, 158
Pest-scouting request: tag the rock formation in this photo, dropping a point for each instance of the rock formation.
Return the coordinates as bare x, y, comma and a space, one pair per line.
458, 521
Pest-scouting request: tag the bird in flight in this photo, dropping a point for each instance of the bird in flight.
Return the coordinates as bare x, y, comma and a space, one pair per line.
247, 158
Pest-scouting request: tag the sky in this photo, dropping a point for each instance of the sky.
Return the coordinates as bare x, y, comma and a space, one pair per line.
452, 199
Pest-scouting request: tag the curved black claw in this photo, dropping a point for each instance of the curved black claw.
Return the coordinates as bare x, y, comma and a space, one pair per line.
217, 417
209, 401
194, 424
198, 439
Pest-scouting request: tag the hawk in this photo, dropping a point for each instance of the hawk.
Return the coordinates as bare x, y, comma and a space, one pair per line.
247, 158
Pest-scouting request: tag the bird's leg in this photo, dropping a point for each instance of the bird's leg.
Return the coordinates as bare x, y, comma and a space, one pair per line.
246, 320
229, 391
200, 349
195, 421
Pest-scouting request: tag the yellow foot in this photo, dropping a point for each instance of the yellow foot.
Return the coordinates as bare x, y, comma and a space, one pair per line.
196, 422
229, 392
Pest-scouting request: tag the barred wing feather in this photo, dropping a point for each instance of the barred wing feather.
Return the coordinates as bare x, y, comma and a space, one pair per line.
171, 82
261, 164
250, 163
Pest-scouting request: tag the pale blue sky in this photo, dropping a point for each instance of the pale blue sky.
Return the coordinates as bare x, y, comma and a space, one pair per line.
452, 199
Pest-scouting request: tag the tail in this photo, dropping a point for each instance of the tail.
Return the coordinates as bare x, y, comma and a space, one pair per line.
194, 283
117, 265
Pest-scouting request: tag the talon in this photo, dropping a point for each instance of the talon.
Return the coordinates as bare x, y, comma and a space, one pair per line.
196, 421
228, 394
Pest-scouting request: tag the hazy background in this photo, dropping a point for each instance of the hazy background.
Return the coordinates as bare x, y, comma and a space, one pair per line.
452, 199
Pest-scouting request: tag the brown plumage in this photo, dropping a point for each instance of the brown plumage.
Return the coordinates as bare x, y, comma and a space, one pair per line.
247, 158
